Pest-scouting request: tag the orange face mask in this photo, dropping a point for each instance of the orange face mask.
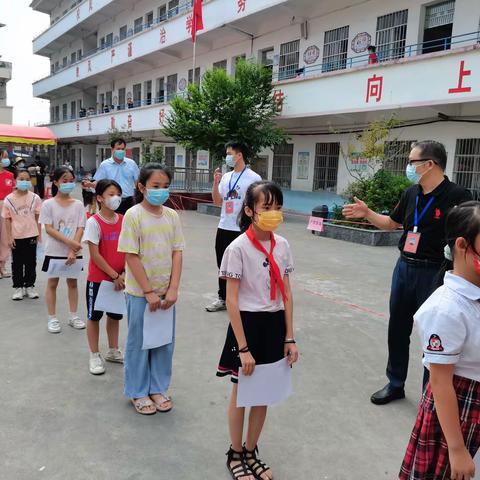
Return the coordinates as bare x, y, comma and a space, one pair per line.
269, 221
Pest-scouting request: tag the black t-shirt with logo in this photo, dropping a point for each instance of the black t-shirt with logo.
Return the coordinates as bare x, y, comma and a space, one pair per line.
432, 225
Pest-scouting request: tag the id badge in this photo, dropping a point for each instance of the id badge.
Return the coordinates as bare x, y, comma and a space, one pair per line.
411, 243
229, 207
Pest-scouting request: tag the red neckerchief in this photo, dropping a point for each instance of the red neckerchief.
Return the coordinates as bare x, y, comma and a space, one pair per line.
275, 274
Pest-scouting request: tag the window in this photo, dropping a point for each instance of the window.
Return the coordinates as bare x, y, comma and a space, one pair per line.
172, 8
335, 48
466, 170
52, 114
64, 62
391, 35
73, 110
266, 58
235, 61
109, 40
437, 35
102, 42
162, 13
289, 58
73, 57
160, 90
396, 156
138, 25
79, 54
101, 102
148, 92
121, 98
57, 113
64, 112
282, 165
170, 157
123, 32
137, 94
222, 64
57, 66
325, 170
171, 86
149, 19
108, 99
197, 76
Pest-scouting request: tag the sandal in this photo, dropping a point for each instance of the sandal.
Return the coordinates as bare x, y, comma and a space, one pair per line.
258, 467
238, 471
141, 404
164, 406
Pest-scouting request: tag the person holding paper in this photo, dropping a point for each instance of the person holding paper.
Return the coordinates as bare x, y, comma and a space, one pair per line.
256, 266
64, 219
102, 232
153, 242
446, 435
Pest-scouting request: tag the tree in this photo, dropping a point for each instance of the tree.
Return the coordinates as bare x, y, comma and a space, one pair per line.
227, 108
114, 133
151, 155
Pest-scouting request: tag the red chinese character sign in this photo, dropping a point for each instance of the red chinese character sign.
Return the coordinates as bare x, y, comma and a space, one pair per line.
161, 116
78, 126
77, 71
189, 24
89, 65
278, 99
129, 121
130, 49
112, 122
89, 125
78, 14
90, 5
241, 4
461, 74
112, 54
374, 89
163, 35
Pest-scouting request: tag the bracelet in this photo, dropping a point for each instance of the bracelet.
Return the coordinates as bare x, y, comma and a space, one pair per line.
289, 340
244, 350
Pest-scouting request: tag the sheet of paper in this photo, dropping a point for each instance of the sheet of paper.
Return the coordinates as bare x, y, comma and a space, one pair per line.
110, 300
157, 328
270, 384
57, 268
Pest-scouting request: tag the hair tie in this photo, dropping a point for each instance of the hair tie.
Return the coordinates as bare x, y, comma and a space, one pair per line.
447, 252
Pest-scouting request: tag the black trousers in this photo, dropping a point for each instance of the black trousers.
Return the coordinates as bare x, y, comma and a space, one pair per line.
412, 284
24, 262
127, 203
223, 239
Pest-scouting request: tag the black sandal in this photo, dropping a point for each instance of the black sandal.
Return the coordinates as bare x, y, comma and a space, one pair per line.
238, 471
258, 467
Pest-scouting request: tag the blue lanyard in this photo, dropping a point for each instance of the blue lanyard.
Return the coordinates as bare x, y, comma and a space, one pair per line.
230, 189
417, 219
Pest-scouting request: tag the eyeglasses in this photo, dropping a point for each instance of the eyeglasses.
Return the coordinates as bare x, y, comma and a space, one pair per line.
420, 160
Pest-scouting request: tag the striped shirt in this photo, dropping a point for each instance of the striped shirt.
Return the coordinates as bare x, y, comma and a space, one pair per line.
153, 238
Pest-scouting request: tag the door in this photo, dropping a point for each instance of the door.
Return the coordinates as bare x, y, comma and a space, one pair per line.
326, 166
73, 110
121, 98
137, 94
171, 86
148, 92
282, 165
160, 90
437, 35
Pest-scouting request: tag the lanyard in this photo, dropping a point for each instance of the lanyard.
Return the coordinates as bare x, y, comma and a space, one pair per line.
230, 189
417, 218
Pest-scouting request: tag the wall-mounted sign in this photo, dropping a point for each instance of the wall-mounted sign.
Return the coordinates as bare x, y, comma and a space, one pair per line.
303, 163
202, 159
311, 54
182, 84
361, 41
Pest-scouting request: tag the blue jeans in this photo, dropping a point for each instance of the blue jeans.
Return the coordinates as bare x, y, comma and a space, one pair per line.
411, 286
147, 372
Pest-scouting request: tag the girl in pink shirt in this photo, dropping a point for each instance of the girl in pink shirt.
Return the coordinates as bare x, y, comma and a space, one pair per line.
21, 210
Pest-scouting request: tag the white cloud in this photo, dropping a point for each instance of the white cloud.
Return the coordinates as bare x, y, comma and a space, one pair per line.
22, 25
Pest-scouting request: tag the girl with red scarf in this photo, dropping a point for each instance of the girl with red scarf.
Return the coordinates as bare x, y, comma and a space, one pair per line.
256, 266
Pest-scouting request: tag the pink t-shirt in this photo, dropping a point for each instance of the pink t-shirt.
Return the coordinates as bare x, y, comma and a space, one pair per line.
244, 262
22, 210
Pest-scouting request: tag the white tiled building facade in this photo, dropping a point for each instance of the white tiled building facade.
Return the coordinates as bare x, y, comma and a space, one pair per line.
5, 76
116, 63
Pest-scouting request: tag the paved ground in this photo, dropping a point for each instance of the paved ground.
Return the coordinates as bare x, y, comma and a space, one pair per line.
60, 422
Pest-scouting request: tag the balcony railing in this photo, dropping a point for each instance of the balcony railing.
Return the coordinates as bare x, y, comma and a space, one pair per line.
384, 53
192, 179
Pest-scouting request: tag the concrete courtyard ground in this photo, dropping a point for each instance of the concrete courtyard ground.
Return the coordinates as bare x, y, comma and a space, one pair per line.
59, 422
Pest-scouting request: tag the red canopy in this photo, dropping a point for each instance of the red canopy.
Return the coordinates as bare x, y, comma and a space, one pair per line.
26, 135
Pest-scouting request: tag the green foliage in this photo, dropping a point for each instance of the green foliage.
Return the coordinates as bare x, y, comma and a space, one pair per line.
337, 212
114, 133
149, 154
227, 108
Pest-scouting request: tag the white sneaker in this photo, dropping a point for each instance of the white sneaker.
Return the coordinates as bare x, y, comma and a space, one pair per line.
217, 306
76, 323
114, 355
24, 292
30, 292
54, 326
96, 364
17, 294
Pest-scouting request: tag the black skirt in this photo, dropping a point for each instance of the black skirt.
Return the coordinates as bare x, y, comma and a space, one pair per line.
265, 333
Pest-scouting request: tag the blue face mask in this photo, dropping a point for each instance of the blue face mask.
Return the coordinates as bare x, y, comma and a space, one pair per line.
5, 162
120, 155
24, 185
230, 161
157, 196
66, 187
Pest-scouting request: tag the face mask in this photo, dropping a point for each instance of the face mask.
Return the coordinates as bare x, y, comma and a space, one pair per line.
157, 196
66, 187
270, 220
412, 174
230, 161
119, 155
5, 162
113, 202
24, 185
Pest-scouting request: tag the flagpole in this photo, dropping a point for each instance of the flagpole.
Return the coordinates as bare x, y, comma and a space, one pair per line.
194, 45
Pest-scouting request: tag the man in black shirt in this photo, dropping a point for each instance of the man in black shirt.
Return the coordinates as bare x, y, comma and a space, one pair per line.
421, 213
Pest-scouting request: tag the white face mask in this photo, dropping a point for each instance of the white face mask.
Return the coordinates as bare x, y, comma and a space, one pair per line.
113, 202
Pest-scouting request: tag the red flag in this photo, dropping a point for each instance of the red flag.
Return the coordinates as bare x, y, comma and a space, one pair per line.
197, 21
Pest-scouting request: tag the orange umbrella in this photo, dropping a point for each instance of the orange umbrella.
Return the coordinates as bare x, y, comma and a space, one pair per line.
26, 135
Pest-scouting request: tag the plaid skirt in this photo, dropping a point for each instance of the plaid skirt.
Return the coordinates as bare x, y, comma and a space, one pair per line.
426, 457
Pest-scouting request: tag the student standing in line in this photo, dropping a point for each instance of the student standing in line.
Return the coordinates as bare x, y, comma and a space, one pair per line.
153, 242
64, 219
21, 210
102, 232
446, 435
7, 183
256, 266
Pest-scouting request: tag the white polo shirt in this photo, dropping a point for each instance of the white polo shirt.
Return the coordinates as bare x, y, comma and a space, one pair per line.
449, 326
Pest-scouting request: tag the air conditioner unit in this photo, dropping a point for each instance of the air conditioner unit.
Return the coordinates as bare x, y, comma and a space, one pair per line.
304, 30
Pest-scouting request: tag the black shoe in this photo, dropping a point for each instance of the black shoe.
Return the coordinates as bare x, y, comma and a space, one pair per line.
387, 394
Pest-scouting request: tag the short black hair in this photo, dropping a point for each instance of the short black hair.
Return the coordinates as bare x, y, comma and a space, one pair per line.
103, 184
372, 48
117, 140
18, 171
433, 150
239, 147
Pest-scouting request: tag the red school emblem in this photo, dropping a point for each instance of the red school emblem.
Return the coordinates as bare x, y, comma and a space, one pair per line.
435, 344
438, 214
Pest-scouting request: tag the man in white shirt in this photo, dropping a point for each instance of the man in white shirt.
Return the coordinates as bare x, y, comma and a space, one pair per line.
229, 193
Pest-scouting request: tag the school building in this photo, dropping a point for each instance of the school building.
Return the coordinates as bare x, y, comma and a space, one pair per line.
118, 63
